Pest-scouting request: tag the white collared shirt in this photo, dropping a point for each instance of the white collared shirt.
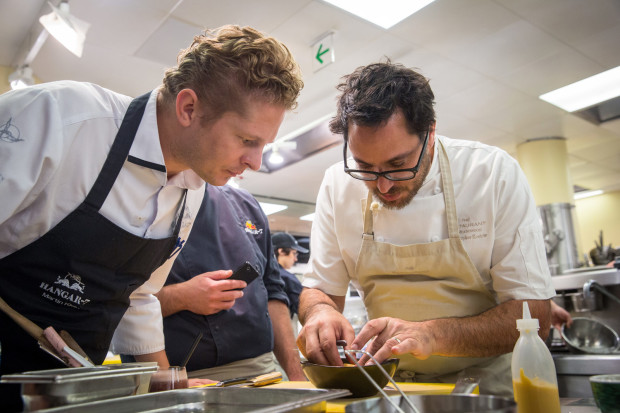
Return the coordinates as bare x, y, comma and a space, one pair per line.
498, 223
55, 139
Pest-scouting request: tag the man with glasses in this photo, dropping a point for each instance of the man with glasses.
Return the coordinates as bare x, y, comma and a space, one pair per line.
440, 237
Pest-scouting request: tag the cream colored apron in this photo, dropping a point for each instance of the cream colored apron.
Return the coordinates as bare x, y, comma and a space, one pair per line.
427, 281
263, 364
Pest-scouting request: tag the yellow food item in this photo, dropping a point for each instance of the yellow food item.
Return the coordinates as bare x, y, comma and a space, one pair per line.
536, 395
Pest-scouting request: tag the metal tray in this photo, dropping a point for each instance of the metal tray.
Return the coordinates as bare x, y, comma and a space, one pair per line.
76, 374
214, 399
59, 387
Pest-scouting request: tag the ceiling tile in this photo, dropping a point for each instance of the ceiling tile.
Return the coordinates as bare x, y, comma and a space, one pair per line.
483, 100
510, 47
165, 43
597, 47
563, 67
121, 25
265, 15
448, 26
20, 17
569, 20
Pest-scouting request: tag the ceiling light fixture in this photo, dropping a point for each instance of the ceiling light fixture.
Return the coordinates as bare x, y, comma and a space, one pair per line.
21, 78
275, 158
586, 92
269, 209
308, 217
587, 194
67, 29
385, 13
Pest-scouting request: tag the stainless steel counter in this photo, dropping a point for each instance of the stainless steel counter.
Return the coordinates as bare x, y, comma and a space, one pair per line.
575, 279
578, 405
574, 371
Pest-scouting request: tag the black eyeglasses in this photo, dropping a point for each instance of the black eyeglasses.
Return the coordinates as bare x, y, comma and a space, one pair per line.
393, 175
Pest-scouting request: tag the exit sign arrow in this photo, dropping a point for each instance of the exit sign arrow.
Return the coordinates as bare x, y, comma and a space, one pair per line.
320, 53
323, 51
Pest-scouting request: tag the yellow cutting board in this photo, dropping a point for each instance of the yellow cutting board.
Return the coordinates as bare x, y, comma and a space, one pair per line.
339, 405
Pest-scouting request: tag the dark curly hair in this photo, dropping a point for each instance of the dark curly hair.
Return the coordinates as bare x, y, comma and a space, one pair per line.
371, 95
228, 65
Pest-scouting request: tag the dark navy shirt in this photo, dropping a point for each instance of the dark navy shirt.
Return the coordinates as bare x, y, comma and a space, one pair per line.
293, 288
230, 229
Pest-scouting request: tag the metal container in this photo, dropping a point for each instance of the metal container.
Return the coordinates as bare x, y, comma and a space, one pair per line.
61, 387
559, 236
582, 304
433, 403
214, 399
590, 336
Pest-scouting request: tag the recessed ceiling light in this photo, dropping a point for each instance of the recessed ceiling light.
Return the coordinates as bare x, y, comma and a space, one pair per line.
385, 13
269, 209
309, 217
587, 194
587, 92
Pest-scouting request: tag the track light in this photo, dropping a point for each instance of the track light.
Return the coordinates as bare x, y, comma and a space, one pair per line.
275, 158
21, 78
67, 29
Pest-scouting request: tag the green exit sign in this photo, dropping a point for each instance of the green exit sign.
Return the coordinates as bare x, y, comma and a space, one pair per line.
323, 53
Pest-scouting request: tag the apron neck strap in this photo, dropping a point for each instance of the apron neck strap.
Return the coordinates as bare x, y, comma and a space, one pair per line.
448, 191
368, 224
118, 152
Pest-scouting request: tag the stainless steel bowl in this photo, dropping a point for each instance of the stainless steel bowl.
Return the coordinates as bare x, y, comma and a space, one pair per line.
590, 336
349, 377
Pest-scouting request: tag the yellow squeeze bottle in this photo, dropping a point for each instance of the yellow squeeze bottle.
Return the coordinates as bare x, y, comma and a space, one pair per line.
534, 379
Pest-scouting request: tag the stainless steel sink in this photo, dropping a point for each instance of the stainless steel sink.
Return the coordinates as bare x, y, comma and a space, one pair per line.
574, 371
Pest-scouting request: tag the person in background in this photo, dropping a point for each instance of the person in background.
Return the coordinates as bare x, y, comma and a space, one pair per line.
286, 249
242, 329
99, 190
440, 237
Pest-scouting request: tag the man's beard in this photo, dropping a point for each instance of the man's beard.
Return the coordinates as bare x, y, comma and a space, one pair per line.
409, 193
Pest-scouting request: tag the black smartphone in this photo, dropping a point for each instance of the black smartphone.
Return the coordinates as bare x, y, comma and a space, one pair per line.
246, 273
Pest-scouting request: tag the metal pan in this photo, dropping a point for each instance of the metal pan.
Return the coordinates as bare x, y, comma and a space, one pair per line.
214, 399
436, 403
449, 403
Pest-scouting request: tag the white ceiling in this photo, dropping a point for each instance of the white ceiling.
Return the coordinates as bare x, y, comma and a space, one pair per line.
488, 61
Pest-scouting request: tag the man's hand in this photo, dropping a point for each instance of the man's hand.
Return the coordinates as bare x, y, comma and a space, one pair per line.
206, 293
395, 336
487, 334
560, 316
323, 325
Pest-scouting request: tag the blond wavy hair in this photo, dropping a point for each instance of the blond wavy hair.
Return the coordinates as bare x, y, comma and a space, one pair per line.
229, 66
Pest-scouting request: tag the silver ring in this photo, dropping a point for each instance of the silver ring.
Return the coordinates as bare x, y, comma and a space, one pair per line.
397, 339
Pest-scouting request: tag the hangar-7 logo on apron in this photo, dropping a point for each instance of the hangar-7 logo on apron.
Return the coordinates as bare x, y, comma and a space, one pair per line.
65, 290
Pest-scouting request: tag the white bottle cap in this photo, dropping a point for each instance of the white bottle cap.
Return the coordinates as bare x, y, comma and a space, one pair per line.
527, 322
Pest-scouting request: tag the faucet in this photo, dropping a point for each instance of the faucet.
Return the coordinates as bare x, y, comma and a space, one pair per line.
591, 285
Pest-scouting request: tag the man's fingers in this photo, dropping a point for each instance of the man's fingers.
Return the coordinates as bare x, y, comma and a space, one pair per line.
218, 275
371, 329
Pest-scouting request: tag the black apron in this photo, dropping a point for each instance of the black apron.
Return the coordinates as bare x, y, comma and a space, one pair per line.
79, 275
